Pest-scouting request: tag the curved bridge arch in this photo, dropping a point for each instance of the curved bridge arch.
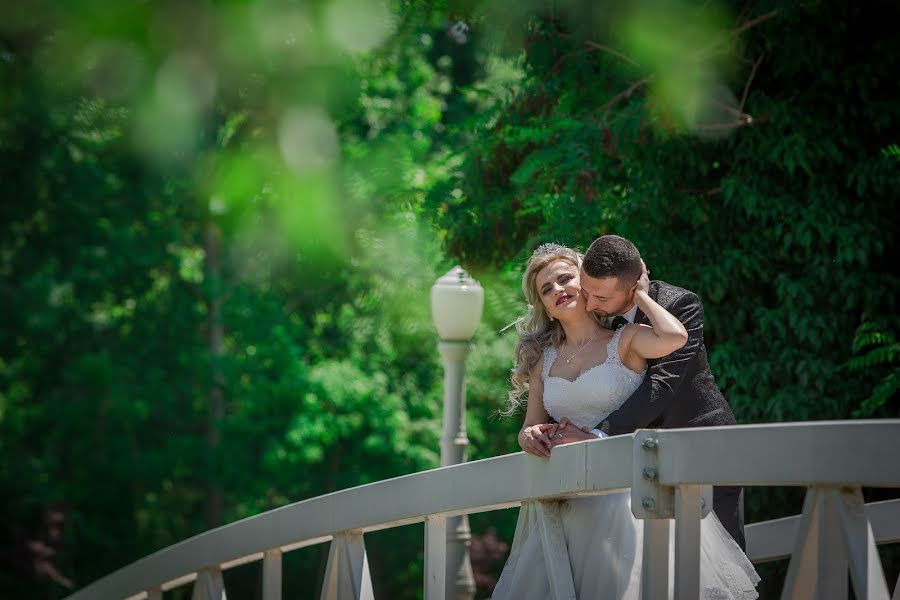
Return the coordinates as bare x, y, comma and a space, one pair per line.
835, 533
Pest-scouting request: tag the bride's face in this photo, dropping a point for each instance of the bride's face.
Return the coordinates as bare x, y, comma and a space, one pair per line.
559, 288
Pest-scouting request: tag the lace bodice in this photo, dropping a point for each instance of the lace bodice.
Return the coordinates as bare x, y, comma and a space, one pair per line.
595, 393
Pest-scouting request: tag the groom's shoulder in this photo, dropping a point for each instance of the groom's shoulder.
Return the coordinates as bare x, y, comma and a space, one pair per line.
667, 294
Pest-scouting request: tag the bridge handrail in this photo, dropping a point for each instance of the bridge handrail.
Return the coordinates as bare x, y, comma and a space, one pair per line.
825, 453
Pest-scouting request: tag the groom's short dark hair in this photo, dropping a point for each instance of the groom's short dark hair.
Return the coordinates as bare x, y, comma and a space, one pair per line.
612, 256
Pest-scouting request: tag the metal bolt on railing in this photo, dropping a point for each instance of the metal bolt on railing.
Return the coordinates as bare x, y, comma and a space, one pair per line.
650, 473
649, 504
649, 444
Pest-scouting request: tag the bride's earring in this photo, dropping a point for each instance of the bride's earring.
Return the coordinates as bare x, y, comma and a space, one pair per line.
552, 319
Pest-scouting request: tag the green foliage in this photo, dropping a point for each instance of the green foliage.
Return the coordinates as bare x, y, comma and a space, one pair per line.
876, 350
781, 225
196, 308
217, 241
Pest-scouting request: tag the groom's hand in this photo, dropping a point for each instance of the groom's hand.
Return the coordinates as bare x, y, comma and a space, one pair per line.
569, 433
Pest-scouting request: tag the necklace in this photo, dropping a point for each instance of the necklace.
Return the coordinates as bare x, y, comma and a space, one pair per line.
583, 346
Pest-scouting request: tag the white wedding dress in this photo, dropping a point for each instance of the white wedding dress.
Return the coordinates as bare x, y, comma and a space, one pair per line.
603, 537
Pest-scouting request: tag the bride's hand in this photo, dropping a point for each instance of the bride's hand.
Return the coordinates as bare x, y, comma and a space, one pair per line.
643, 282
535, 439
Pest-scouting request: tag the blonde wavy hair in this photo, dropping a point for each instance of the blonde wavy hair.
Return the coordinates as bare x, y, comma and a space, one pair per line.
536, 330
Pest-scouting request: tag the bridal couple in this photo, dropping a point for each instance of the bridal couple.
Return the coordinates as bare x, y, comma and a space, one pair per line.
605, 351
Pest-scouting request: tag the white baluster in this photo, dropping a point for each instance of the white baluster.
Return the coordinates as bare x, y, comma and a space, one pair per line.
866, 571
833, 564
435, 557
800, 582
347, 573
209, 585
271, 582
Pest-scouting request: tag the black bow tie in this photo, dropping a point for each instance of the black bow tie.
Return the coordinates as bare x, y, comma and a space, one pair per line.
618, 322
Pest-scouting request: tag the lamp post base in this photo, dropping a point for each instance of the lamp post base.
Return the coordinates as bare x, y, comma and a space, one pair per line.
460, 576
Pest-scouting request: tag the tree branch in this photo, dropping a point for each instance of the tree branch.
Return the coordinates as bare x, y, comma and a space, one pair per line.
709, 192
723, 126
624, 94
741, 29
754, 23
750, 80
612, 51
739, 115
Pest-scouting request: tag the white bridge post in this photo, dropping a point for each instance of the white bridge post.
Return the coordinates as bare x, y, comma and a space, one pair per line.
656, 505
655, 571
687, 541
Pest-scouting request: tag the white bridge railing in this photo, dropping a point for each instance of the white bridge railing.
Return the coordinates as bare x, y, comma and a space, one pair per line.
669, 473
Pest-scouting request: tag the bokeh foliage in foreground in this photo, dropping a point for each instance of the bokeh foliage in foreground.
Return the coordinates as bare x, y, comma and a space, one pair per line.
220, 224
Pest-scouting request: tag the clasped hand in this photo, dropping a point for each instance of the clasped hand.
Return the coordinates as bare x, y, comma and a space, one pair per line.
540, 439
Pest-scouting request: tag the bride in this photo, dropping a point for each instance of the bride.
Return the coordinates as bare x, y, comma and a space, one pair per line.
574, 369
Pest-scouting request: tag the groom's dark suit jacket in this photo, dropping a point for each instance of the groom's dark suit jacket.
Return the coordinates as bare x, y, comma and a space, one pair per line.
679, 391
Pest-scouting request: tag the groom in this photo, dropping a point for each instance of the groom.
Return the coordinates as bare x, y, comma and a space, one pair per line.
679, 390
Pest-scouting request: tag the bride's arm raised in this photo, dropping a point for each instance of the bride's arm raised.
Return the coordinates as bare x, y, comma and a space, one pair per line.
665, 335
533, 437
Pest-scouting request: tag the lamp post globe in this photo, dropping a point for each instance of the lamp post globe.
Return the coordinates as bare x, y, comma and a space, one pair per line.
457, 302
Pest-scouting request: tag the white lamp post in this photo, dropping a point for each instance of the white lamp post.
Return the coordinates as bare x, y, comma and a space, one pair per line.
456, 304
